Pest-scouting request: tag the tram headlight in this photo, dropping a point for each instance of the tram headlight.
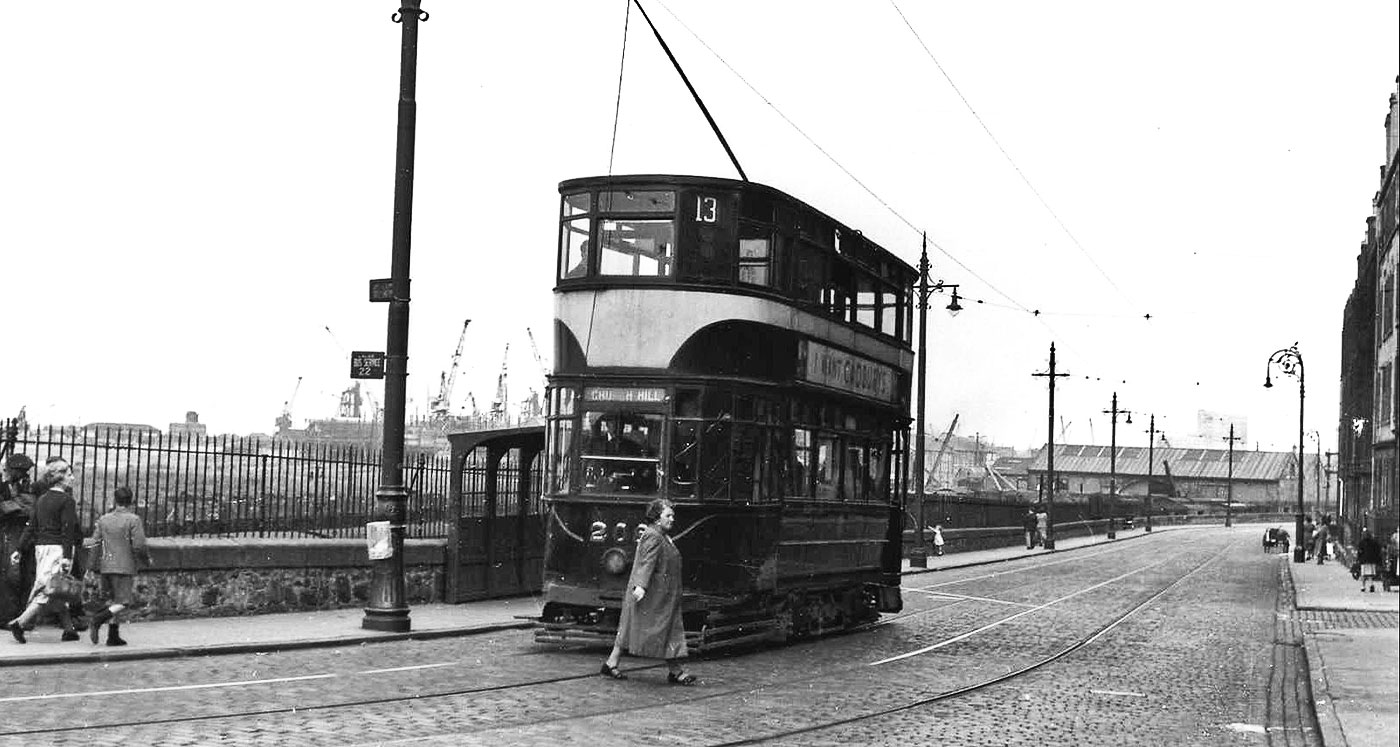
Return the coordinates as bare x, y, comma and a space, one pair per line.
615, 561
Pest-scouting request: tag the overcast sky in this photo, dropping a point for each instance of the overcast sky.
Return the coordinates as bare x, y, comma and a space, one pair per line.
191, 196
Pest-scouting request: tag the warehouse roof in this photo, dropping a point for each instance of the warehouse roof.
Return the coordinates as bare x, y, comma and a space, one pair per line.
1200, 464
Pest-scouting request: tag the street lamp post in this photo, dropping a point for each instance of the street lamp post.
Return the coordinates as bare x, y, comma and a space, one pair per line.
388, 607
1290, 362
918, 557
1113, 412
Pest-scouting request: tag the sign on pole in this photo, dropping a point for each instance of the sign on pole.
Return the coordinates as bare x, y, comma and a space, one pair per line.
366, 364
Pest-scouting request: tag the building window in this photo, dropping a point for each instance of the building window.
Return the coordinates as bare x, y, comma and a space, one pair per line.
1384, 393
1387, 300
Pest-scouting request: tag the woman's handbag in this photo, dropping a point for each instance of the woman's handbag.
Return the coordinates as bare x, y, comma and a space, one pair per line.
93, 546
63, 587
1356, 570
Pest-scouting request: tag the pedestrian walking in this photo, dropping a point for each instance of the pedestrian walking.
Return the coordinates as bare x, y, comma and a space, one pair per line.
1320, 540
118, 544
938, 539
1042, 525
1305, 541
1028, 522
1368, 554
16, 503
651, 624
52, 533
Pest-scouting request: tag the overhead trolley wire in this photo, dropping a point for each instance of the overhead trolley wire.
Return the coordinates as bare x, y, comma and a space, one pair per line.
621, 66
1016, 167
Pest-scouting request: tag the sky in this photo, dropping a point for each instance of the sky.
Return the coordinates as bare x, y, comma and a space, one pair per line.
192, 203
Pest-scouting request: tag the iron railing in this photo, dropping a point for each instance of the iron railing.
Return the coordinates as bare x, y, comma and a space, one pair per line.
190, 485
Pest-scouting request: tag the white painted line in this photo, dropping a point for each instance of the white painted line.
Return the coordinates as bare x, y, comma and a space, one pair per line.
1119, 692
172, 688
966, 598
410, 669
1008, 619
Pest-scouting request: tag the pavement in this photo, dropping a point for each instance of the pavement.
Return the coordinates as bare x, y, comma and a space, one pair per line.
1350, 636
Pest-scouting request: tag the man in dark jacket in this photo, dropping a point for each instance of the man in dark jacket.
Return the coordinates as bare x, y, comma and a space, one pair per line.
16, 501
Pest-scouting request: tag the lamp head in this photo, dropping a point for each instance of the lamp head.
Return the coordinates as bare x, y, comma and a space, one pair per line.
1268, 383
953, 306
1129, 421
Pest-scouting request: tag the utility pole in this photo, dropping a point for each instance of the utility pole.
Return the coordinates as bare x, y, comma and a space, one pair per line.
1113, 412
388, 608
918, 557
1327, 473
1151, 442
1049, 543
1230, 475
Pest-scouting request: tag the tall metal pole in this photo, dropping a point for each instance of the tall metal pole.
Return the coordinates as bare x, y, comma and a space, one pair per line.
1151, 442
918, 558
1049, 541
1230, 476
1290, 361
388, 608
1112, 413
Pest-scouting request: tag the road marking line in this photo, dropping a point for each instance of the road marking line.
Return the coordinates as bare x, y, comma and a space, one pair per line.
966, 598
172, 688
410, 669
1020, 614
1119, 692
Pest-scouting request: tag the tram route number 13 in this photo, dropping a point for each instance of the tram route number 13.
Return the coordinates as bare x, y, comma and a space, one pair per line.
598, 532
706, 210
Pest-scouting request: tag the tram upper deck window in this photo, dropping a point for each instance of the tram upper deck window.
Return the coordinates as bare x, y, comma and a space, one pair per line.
755, 261
640, 248
573, 236
620, 452
632, 201
867, 302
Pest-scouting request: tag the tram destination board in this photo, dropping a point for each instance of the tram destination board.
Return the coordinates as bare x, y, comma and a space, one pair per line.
366, 364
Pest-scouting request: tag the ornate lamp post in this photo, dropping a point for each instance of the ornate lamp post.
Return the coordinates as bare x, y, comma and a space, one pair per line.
1290, 361
918, 557
1151, 442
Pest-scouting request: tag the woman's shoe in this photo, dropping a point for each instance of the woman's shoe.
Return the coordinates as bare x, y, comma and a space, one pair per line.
17, 631
70, 635
681, 678
612, 673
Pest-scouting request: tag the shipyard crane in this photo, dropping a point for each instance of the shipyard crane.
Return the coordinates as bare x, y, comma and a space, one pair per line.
544, 371
500, 406
441, 406
928, 478
284, 421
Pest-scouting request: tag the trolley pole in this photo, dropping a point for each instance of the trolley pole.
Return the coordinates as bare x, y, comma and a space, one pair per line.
1113, 412
1230, 476
1049, 541
388, 608
1147, 497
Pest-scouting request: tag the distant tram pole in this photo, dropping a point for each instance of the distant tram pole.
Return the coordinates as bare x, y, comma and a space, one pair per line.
918, 558
388, 608
1049, 541
1230, 475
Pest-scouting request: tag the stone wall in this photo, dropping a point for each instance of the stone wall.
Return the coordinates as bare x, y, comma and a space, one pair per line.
228, 577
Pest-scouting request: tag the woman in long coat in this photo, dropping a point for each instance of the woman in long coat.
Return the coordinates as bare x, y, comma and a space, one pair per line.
651, 625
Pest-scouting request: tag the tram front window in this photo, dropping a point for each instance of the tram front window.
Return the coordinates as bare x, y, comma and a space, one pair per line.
641, 248
620, 453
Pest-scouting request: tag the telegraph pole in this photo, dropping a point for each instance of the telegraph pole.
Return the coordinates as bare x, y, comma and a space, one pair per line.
1230, 475
1049, 543
388, 608
1151, 442
1113, 413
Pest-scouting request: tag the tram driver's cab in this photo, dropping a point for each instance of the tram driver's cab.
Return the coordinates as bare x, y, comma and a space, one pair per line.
621, 452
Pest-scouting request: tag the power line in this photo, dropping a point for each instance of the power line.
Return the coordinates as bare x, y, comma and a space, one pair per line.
1016, 167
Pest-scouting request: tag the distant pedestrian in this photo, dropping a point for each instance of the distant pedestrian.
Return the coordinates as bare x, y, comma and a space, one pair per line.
118, 543
1042, 525
938, 539
1320, 540
1028, 523
52, 533
1305, 541
651, 624
1368, 554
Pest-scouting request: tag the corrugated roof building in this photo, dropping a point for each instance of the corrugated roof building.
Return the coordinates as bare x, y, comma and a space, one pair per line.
1263, 478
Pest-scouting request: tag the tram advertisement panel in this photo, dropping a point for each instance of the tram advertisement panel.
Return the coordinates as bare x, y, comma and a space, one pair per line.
849, 373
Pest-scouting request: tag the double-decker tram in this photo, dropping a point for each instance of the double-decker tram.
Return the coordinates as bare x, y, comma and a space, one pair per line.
726, 346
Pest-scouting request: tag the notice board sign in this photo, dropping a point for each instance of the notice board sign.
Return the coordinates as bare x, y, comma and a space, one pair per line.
366, 364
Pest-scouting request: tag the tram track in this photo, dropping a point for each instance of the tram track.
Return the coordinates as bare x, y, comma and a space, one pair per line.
390, 700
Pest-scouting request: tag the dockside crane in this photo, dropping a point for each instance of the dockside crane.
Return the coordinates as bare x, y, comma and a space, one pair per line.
928, 478
500, 406
441, 406
284, 421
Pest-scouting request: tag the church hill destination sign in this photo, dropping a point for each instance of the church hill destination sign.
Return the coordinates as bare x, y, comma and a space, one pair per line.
833, 368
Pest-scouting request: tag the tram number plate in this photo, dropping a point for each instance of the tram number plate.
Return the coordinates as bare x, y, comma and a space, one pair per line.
598, 532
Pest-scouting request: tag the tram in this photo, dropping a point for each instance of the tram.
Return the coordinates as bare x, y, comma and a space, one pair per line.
726, 346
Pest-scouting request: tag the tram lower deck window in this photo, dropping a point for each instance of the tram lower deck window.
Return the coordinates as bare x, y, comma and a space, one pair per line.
620, 453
